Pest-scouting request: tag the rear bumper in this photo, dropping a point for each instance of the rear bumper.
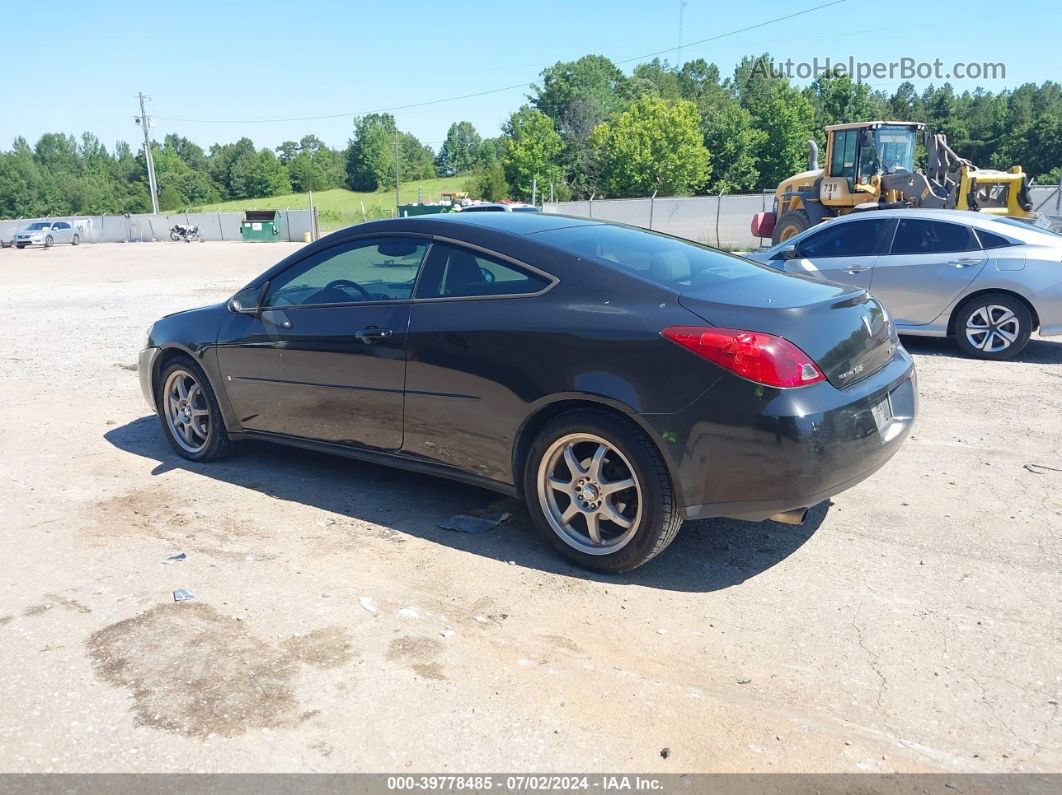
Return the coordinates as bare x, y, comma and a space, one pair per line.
1049, 308
748, 452
146, 369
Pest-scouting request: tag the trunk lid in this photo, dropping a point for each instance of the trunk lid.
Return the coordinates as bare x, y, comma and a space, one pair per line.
845, 330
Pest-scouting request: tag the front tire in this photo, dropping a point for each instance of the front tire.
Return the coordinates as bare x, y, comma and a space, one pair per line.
790, 225
174, 237
49, 241
995, 326
189, 412
599, 491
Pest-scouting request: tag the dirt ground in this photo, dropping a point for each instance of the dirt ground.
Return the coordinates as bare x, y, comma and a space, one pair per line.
912, 624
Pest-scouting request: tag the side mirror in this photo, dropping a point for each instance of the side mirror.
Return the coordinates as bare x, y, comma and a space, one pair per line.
789, 252
247, 301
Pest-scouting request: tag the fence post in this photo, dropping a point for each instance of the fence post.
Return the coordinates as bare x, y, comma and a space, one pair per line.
591, 205
652, 204
718, 207
1058, 197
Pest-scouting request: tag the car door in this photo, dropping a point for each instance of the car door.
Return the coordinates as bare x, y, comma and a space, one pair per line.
61, 232
324, 358
477, 319
927, 265
842, 252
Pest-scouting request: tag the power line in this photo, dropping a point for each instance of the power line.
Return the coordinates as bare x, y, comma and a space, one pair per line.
504, 88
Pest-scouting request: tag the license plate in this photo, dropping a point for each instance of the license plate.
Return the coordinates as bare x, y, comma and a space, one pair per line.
882, 412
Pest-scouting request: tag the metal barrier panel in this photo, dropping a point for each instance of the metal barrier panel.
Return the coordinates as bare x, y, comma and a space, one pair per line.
144, 228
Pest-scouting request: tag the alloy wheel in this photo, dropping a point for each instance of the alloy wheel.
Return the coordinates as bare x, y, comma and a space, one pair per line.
187, 410
992, 328
589, 493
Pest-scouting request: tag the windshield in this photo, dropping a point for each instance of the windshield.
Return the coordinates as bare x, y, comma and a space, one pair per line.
668, 261
39, 225
893, 151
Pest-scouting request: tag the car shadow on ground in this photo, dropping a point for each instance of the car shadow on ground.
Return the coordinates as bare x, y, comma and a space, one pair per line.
1039, 350
707, 555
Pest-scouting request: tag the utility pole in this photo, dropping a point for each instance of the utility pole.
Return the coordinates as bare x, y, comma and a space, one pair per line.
682, 9
398, 179
145, 121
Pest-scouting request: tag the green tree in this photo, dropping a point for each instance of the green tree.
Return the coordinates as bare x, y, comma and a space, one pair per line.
488, 182
656, 145
258, 175
459, 153
532, 148
577, 96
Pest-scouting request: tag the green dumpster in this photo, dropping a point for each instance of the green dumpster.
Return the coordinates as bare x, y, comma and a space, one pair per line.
260, 226
409, 210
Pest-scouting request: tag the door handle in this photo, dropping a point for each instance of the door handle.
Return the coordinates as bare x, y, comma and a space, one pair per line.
372, 334
857, 269
964, 262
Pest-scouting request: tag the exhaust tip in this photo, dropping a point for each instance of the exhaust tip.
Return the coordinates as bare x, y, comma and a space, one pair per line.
795, 516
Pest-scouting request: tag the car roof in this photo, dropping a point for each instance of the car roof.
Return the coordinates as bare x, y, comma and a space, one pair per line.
513, 223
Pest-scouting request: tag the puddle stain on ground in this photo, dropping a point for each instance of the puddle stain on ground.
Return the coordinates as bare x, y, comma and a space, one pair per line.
196, 672
420, 653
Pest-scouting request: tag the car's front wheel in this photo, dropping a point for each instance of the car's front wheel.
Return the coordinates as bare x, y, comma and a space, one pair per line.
189, 412
993, 326
598, 489
49, 241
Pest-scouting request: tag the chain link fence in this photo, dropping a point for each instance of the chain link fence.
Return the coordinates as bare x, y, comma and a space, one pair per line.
722, 221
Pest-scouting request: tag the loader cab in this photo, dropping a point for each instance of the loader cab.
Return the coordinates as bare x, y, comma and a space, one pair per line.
858, 152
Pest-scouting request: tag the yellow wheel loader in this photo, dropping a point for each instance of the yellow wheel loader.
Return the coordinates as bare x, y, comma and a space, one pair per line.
871, 166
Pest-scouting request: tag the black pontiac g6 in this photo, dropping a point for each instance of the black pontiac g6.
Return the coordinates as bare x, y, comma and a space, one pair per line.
621, 381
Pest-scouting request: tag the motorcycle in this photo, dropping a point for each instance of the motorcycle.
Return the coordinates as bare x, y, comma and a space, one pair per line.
185, 233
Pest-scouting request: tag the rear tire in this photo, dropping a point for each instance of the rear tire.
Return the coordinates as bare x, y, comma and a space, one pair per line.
572, 486
790, 225
75, 240
994, 326
189, 412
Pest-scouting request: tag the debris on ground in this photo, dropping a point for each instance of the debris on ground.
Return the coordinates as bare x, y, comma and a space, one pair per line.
743, 680
181, 595
1041, 469
408, 612
474, 525
482, 619
175, 558
447, 633
665, 752
369, 604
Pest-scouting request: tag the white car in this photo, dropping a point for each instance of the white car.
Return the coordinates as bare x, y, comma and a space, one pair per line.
47, 234
499, 207
986, 280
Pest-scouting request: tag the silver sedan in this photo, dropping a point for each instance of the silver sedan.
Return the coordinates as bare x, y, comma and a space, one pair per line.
47, 234
987, 281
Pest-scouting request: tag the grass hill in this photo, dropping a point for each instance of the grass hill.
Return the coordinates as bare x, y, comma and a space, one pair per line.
340, 207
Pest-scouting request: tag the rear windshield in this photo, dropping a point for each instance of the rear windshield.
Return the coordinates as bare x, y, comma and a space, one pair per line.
1026, 227
667, 261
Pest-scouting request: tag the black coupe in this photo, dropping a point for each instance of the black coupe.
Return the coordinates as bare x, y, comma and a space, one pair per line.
621, 381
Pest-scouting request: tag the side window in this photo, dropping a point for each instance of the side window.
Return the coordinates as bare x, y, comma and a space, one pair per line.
990, 240
932, 237
378, 269
844, 148
852, 239
454, 272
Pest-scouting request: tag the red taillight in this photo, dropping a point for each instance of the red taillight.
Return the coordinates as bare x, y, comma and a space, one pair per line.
763, 358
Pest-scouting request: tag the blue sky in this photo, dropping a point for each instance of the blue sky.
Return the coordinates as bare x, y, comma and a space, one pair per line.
238, 62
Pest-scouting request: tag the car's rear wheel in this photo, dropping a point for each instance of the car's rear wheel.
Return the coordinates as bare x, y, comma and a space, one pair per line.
993, 326
189, 412
75, 240
598, 489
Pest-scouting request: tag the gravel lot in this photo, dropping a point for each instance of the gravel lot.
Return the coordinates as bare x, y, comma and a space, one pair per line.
911, 625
